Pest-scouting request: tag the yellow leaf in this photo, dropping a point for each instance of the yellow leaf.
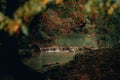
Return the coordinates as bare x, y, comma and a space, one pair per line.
110, 11
10, 25
59, 1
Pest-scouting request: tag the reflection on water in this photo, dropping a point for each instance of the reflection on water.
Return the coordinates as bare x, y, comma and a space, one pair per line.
36, 62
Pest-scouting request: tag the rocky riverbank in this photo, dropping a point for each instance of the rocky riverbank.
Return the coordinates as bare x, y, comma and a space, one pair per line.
101, 64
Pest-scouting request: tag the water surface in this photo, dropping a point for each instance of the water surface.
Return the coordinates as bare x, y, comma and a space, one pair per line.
36, 62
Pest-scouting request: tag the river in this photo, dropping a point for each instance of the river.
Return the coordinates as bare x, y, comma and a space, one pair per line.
37, 62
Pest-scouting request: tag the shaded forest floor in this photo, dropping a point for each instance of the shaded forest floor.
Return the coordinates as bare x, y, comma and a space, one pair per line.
102, 64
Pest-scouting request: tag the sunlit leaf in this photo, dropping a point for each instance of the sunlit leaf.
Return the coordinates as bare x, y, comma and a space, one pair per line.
16, 28
10, 25
1, 17
59, 1
24, 29
110, 11
46, 1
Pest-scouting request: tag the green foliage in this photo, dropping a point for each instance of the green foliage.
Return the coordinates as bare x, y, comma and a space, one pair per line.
114, 23
69, 17
108, 29
24, 30
104, 6
21, 16
44, 35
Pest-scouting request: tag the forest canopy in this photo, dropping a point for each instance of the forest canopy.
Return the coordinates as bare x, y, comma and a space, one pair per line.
18, 14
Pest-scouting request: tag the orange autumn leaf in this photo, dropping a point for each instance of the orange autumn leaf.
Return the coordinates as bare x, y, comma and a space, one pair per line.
16, 28
59, 1
45, 1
